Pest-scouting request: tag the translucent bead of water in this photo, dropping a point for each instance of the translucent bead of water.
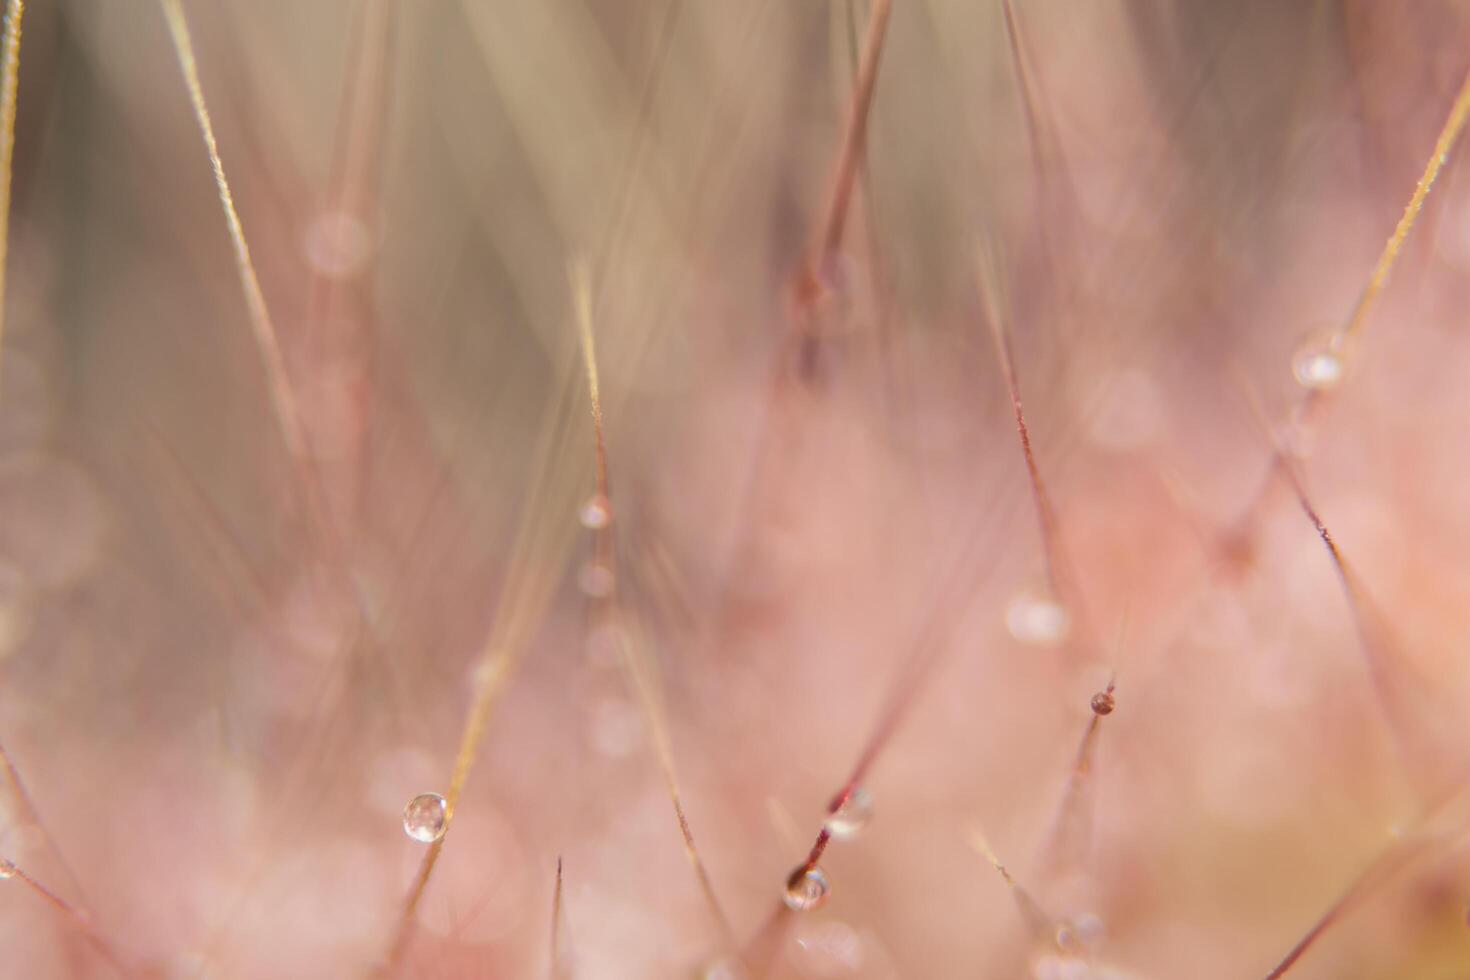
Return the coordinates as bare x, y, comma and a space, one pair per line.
852, 816
595, 513
1317, 367
425, 817
806, 889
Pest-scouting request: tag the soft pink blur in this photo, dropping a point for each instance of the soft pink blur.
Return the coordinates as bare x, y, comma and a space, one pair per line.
220, 703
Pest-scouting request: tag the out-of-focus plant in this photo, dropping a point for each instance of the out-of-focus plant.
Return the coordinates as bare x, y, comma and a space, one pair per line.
816, 489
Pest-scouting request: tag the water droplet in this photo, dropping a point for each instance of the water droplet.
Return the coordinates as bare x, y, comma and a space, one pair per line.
595, 513
806, 889
7, 869
1102, 703
1066, 939
596, 580
1317, 366
852, 816
1037, 620
425, 817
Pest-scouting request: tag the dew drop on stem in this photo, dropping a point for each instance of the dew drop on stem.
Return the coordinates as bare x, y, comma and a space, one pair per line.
1317, 365
426, 817
852, 816
595, 513
806, 889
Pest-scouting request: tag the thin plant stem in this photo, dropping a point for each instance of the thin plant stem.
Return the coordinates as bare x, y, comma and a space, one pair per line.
553, 962
637, 665
1345, 340
1046, 515
1071, 826
1039, 923
77, 918
33, 816
266, 339
9, 92
536, 562
809, 285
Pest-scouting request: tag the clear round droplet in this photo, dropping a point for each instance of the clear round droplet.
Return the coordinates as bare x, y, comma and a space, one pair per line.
1317, 366
595, 513
1037, 620
1103, 703
806, 889
852, 816
425, 817
7, 869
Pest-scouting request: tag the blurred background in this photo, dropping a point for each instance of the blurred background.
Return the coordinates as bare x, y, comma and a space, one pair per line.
226, 667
